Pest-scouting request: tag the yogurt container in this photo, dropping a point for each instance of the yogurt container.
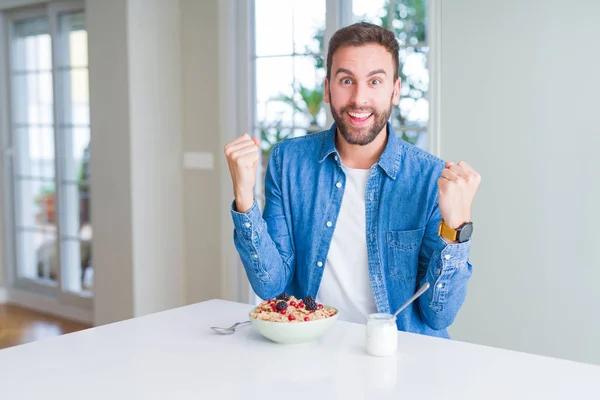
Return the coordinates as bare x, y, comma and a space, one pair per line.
382, 335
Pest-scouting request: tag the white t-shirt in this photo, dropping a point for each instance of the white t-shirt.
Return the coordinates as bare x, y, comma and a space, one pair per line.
346, 284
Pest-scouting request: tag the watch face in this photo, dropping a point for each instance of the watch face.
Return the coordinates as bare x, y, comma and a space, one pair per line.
465, 232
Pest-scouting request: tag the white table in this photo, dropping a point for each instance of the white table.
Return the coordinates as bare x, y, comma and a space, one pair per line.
174, 355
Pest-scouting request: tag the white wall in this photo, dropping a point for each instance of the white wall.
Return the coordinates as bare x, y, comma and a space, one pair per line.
135, 89
110, 150
201, 133
520, 89
156, 153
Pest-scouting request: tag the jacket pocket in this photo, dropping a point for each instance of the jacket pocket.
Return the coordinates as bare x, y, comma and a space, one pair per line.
403, 253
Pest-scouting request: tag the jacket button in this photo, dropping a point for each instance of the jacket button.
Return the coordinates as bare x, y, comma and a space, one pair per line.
319, 264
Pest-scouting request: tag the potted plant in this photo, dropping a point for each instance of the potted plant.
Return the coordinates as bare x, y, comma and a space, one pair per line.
47, 203
310, 105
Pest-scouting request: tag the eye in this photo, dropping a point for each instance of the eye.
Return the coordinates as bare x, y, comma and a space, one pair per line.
375, 81
346, 81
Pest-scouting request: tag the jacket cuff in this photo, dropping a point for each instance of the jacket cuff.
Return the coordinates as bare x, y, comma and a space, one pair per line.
456, 254
247, 222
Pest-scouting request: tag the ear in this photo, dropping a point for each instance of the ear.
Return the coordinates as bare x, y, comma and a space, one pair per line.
396, 96
326, 91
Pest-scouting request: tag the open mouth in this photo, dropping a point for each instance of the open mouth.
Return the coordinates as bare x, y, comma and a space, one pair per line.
359, 118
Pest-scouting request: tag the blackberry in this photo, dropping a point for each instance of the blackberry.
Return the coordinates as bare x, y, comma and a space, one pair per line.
310, 304
281, 305
283, 296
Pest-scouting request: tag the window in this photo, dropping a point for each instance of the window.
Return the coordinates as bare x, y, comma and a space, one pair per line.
410, 119
50, 137
290, 69
290, 65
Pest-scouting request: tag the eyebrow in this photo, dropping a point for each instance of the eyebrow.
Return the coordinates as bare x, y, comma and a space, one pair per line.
347, 71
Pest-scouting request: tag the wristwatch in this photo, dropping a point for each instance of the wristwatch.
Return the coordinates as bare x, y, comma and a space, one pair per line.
460, 235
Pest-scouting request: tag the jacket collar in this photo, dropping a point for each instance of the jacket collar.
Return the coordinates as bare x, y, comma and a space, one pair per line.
389, 161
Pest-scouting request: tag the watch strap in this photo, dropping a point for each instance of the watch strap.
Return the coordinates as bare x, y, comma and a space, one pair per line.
446, 232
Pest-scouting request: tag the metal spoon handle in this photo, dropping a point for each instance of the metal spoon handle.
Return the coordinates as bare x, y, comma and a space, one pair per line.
422, 290
240, 323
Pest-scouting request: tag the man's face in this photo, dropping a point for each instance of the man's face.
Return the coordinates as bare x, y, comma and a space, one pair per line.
361, 91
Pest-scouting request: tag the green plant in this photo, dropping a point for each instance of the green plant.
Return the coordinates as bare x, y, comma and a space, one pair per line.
412, 139
407, 19
312, 101
83, 174
319, 39
271, 135
45, 191
83, 186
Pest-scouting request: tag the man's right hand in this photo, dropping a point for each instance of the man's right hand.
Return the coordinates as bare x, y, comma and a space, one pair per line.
242, 157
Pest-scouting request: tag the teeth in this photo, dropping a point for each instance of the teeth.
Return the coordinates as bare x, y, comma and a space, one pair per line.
359, 115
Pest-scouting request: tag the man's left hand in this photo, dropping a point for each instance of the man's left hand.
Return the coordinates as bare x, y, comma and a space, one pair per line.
457, 188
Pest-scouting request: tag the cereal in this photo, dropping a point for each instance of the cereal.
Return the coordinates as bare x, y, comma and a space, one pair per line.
286, 308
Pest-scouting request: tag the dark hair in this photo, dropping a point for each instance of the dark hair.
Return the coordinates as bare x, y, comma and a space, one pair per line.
359, 34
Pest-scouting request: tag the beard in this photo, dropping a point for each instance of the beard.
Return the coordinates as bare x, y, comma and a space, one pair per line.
363, 135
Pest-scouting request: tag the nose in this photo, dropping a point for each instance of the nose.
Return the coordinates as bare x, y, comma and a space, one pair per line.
359, 95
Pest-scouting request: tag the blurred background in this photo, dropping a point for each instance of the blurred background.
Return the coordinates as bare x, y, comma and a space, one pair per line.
114, 114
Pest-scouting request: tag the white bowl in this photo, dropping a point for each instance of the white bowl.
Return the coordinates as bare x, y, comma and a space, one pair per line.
293, 332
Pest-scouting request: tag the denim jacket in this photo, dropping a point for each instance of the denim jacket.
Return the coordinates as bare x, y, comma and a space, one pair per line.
285, 248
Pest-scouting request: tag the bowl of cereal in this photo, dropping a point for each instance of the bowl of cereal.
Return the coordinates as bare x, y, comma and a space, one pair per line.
289, 320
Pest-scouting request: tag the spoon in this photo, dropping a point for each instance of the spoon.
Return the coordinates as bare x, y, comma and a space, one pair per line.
422, 290
230, 330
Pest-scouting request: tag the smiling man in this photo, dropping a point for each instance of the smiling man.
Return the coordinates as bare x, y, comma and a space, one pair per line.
354, 215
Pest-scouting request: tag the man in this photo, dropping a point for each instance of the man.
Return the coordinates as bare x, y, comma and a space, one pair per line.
352, 214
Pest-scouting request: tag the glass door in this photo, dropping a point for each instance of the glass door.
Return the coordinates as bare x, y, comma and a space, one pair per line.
50, 136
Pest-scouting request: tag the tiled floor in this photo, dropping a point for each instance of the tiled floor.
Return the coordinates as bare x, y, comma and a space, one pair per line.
19, 325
